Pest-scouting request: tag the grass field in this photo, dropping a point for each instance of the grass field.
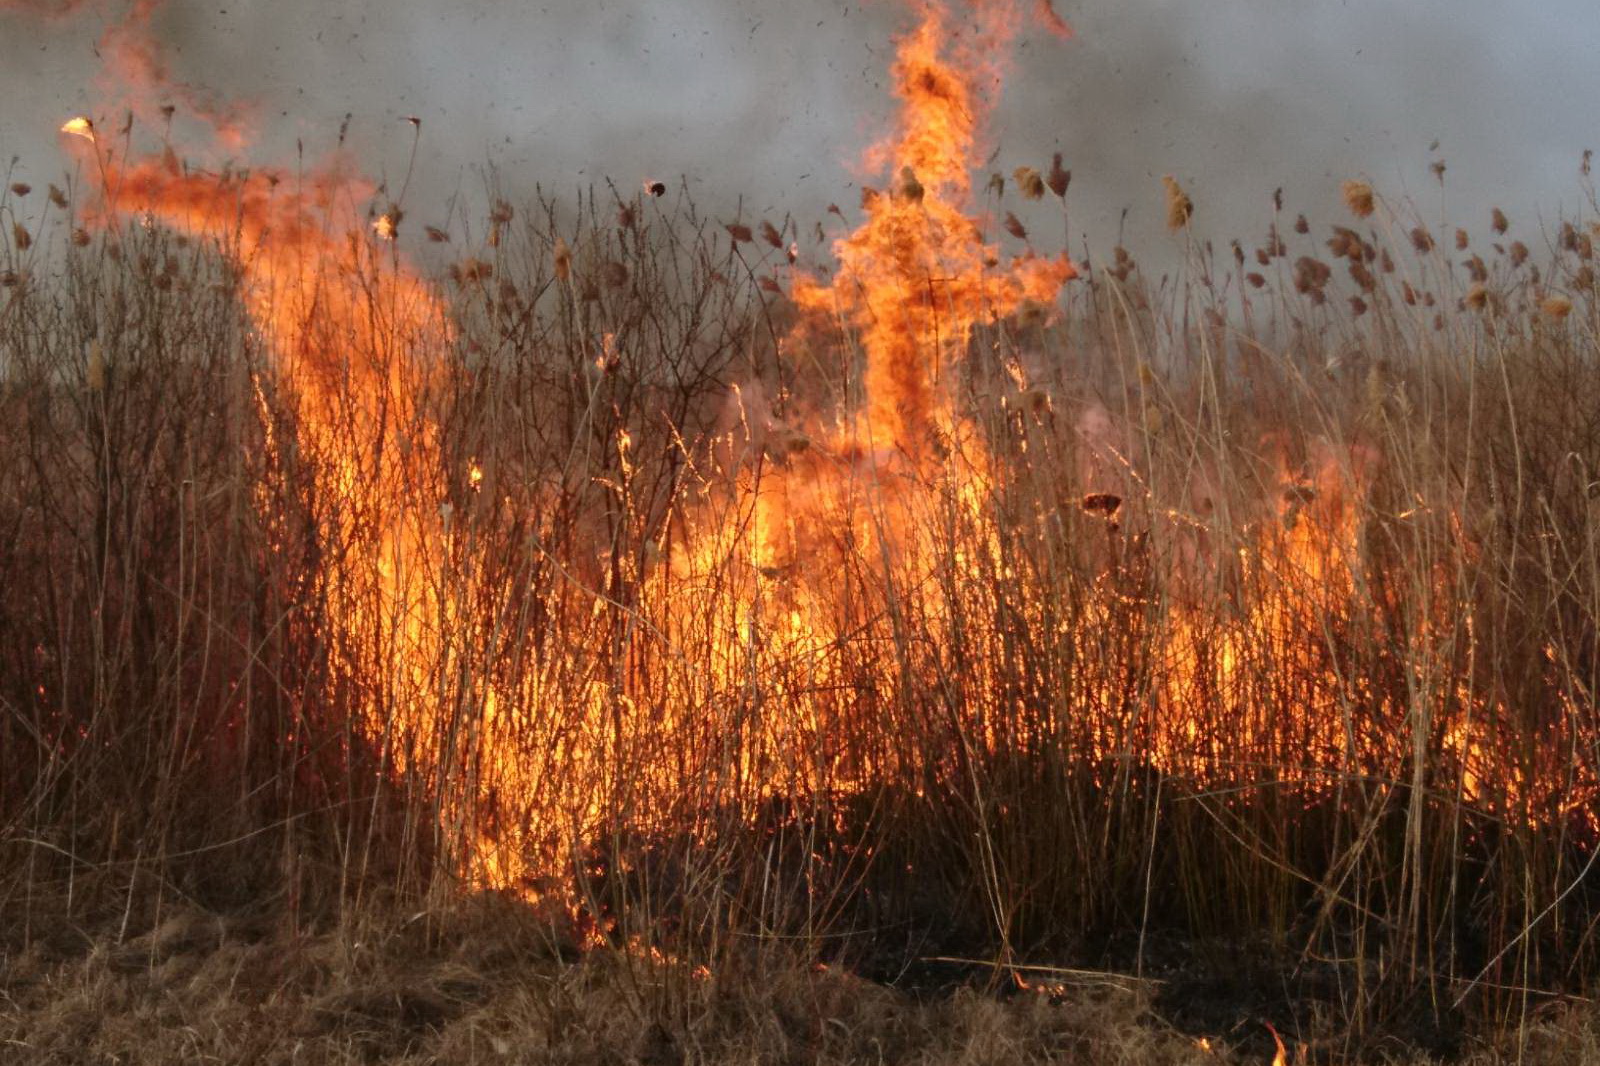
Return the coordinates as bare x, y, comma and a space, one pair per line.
601, 631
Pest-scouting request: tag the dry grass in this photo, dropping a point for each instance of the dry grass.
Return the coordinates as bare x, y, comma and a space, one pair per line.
485, 986
485, 983
1321, 681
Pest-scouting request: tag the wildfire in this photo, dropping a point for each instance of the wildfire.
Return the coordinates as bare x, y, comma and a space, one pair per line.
831, 522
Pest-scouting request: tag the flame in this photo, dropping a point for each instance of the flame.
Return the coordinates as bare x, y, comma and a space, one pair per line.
79, 127
896, 475
918, 275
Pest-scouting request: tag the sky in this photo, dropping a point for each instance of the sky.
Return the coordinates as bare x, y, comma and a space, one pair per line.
765, 106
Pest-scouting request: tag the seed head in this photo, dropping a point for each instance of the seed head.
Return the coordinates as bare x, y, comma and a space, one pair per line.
1179, 207
1058, 179
1498, 218
562, 257
1556, 306
910, 188
1029, 181
1358, 198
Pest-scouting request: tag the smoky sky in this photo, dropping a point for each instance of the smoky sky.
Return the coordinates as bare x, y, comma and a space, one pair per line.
764, 107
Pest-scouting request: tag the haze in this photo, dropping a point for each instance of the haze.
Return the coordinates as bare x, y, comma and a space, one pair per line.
771, 103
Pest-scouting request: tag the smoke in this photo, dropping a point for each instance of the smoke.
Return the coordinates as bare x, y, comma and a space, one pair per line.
766, 107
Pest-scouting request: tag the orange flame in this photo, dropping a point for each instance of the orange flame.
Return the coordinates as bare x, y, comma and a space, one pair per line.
918, 274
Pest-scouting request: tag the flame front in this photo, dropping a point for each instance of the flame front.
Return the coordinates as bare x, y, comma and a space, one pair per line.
858, 537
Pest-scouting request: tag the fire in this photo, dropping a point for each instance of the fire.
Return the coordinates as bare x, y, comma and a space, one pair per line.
79, 127
875, 515
917, 276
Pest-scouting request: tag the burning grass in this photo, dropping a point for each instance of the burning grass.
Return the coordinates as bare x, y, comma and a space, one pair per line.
1205, 612
953, 602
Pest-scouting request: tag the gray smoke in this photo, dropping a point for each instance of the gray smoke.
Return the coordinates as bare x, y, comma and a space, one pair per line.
768, 104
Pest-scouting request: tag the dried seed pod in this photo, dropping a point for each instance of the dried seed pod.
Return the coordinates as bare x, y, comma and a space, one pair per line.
911, 189
1358, 198
1029, 182
1058, 179
1180, 209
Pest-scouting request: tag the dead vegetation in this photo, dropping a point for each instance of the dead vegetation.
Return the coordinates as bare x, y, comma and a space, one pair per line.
1320, 680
